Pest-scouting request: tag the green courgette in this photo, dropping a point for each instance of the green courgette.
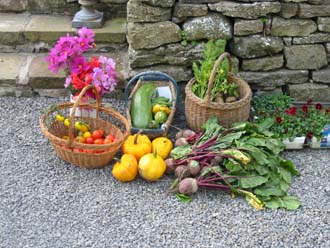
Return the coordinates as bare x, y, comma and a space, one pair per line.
141, 108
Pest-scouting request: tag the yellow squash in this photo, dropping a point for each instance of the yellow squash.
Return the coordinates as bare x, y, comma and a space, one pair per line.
163, 146
151, 167
137, 145
126, 169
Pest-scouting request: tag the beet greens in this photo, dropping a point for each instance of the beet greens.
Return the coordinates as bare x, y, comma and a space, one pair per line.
244, 160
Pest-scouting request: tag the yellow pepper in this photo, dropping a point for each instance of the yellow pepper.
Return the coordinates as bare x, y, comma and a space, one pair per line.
137, 145
163, 146
159, 107
126, 169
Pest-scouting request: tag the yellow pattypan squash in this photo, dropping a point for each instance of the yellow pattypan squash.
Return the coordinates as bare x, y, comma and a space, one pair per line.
137, 145
126, 169
163, 146
151, 167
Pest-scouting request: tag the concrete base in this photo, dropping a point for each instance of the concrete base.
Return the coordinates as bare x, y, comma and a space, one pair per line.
81, 20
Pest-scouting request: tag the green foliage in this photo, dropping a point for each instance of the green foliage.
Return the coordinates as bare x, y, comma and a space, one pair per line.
202, 72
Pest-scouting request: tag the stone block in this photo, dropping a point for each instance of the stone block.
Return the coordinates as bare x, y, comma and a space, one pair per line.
263, 64
212, 26
319, 2
10, 65
309, 11
275, 78
7, 91
12, 27
152, 35
247, 27
323, 24
173, 54
13, 5
304, 92
321, 76
53, 92
305, 57
256, 46
186, 10
246, 10
160, 3
312, 39
179, 73
292, 27
140, 12
289, 10
52, 7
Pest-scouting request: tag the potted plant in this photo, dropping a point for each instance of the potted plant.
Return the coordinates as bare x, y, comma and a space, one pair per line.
68, 54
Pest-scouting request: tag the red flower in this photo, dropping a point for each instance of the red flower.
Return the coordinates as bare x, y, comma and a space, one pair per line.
318, 106
305, 108
279, 120
77, 83
309, 102
310, 134
291, 111
327, 110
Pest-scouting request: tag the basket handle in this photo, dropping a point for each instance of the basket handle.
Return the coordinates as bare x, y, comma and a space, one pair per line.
214, 72
75, 105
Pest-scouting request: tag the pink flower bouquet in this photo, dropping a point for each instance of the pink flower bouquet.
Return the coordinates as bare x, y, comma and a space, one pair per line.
67, 54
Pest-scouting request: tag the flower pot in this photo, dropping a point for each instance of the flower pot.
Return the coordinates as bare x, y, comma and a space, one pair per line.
297, 143
84, 111
323, 143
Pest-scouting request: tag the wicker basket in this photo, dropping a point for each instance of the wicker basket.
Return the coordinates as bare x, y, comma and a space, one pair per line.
199, 110
160, 79
81, 154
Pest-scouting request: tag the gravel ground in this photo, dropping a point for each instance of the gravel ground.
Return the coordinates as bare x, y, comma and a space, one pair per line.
46, 202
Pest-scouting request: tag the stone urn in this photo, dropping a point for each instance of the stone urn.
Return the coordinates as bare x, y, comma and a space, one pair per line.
88, 16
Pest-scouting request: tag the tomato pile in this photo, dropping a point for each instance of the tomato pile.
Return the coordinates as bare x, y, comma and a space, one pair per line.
84, 134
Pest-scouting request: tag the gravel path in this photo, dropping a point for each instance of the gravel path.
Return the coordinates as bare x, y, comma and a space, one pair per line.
46, 202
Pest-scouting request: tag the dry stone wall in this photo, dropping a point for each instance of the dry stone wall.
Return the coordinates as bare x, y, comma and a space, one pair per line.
279, 45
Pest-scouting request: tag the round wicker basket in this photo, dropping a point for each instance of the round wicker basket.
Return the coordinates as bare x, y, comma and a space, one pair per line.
198, 110
82, 154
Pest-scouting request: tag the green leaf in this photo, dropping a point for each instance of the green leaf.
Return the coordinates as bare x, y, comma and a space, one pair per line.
284, 186
288, 202
180, 152
252, 181
286, 175
261, 169
232, 165
289, 165
229, 138
259, 155
268, 191
183, 198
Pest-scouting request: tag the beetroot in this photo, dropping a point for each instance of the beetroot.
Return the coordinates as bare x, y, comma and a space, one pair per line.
194, 167
181, 141
170, 166
188, 186
182, 171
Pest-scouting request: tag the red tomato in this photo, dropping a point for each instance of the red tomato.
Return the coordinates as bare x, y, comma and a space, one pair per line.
110, 137
77, 150
89, 151
107, 141
98, 141
90, 140
98, 134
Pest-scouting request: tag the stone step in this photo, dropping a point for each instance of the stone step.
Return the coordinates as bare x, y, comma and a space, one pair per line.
38, 33
27, 74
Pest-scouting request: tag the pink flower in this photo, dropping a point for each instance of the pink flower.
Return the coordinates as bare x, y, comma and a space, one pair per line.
78, 65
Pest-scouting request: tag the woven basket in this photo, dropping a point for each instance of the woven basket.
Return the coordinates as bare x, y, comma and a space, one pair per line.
160, 79
81, 154
198, 110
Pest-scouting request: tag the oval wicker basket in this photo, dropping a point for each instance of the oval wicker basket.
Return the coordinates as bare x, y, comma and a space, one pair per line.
84, 155
160, 79
198, 110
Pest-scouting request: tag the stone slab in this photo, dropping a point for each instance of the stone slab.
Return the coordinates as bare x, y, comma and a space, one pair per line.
321, 76
309, 10
247, 27
47, 28
12, 27
113, 31
312, 39
10, 65
263, 64
140, 12
292, 27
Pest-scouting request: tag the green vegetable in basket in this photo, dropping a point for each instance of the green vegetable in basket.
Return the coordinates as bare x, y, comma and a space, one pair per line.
141, 108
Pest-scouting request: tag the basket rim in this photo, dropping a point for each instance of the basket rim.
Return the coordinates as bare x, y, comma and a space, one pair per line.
214, 105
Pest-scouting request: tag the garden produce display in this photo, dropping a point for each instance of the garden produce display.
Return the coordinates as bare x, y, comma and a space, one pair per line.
162, 146
242, 160
148, 110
